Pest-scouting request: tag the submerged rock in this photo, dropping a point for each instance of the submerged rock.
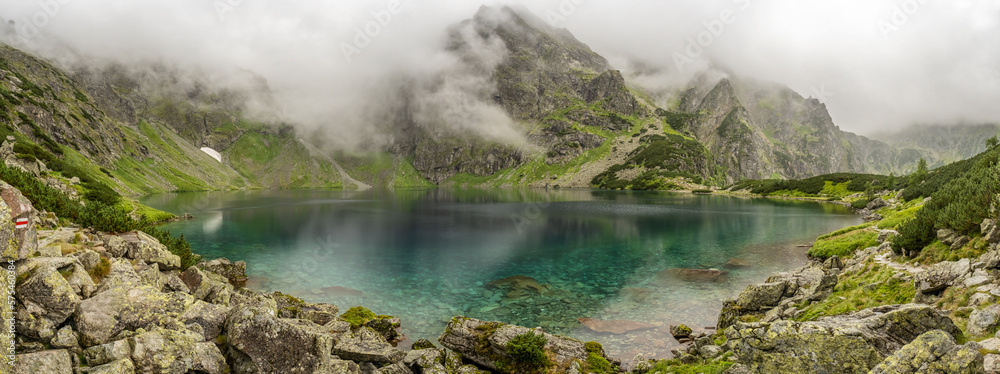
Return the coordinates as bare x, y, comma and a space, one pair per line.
667, 276
736, 263
520, 283
613, 326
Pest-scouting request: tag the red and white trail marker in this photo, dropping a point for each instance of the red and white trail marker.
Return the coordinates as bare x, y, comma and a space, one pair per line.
21, 223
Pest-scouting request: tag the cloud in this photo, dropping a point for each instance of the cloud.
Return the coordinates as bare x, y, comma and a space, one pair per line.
329, 62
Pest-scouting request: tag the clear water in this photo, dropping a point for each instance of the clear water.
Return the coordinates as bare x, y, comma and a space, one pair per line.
428, 255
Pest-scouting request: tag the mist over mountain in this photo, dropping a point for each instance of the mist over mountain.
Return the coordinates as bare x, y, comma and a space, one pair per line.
532, 94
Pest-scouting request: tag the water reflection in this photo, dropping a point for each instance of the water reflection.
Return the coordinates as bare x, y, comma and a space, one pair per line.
427, 255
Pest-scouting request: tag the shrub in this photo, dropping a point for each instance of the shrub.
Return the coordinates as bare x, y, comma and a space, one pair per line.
914, 234
526, 354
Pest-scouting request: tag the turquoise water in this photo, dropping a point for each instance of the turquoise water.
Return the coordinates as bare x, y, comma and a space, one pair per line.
428, 255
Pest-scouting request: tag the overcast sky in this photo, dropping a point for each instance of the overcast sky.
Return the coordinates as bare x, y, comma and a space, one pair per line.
878, 64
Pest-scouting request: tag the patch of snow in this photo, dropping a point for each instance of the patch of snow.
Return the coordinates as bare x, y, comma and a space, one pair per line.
211, 152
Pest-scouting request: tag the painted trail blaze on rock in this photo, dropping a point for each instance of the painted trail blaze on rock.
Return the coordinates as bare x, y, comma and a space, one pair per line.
17, 229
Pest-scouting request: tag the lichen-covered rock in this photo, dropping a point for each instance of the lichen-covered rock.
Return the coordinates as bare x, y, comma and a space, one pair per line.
990, 230
100, 318
124, 366
45, 301
397, 368
49, 362
65, 338
485, 343
234, 272
759, 296
941, 275
983, 321
933, 352
293, 346
211, 318
138, 245
122, 276
293, 307
168, 351
18, 244
207, 286
108, 352
344, 367
840, 344
366, 344
80, 281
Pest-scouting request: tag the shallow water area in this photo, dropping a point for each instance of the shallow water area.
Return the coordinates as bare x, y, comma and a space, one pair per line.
428, 255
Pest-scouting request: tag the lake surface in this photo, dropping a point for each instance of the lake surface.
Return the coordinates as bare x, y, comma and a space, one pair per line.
428, 255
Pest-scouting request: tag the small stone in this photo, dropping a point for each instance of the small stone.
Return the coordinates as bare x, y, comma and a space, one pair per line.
680, 331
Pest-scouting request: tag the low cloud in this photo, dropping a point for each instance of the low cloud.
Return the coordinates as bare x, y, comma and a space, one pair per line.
884, 64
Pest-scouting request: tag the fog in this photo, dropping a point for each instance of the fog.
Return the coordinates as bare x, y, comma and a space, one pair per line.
878, 65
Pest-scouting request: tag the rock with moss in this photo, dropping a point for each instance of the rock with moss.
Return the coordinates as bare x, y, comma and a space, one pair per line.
292, 346
487, 344
52, 361
293, 307
366, 345
809, 283
120, 277
839, 344
18, 244
102, 317
44, 300
176, 351
933, 352
680, 331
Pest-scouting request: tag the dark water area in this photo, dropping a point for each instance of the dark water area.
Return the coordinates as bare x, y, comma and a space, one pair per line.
429, 255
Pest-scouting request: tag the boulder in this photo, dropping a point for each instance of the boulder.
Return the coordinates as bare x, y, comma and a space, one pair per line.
397, 368
48, 362
80, 281
65, 338
234, 272
150, 275
344, 367
680, 331
760, 296
884, 235
102, 317
840, 344
983, 322
293, 307
613, 326
876, 204
211, 318
138, 245
669, 276
108, 352
941, 275
18, 243
172, 282
294, 346
366, 344
207, 286
117, 367
485, 343
44, 300
121, 277
933, 352
947, 236
990, 231
169, 351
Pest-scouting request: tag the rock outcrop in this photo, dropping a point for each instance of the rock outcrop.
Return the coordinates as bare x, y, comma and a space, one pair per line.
841, 344
933, 352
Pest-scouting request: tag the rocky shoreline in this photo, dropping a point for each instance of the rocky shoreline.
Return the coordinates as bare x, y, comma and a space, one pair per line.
89, 302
